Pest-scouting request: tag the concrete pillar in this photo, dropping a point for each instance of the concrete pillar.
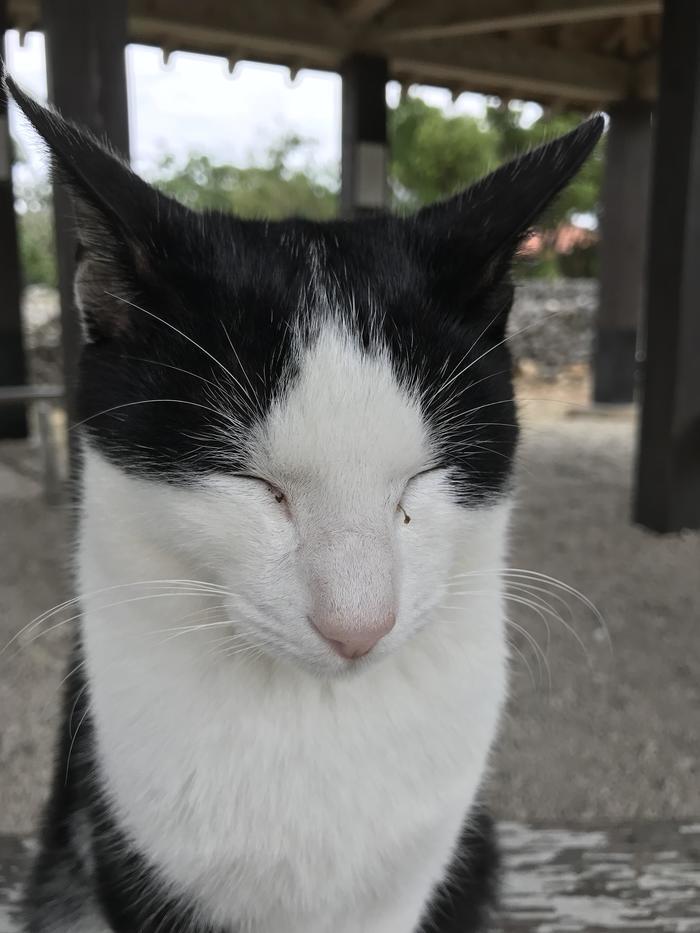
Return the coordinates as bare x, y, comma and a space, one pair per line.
667, 496
623, 251
13, 420
364, 136
85, 44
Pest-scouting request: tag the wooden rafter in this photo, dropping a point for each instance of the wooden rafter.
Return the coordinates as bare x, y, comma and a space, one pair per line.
493, 65
453, 18
305, 30
363, 11
313, 34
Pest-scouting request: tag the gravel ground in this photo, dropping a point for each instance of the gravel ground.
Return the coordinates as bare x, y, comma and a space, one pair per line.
617, 734
628, 879
33, 577
614, 736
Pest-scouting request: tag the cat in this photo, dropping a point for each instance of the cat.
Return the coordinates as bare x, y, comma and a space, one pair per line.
297, 473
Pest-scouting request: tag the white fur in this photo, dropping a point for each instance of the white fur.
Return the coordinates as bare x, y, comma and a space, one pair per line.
291, 790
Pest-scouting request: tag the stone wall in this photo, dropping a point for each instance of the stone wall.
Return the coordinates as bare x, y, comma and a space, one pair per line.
552, 323
42, 333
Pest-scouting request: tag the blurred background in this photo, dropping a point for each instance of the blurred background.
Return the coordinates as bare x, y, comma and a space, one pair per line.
603, 722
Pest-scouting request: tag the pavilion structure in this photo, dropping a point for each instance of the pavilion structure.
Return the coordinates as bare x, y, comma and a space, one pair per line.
639, 60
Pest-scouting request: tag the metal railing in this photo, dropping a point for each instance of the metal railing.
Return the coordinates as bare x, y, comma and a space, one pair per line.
44, 399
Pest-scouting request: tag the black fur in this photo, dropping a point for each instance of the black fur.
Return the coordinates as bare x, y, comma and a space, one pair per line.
166, 295
82, 844
468, 897
155, 276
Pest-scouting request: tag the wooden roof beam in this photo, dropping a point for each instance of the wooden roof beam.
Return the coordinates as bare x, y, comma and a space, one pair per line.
363, 11
494, 65
453, 18
305, 30
313, 36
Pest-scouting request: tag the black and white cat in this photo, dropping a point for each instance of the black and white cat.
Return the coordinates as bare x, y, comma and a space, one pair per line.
297, 446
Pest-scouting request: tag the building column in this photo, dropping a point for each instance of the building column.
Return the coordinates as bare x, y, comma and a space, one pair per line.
85, 43
364, 158
667, 496
13, 419
623, 251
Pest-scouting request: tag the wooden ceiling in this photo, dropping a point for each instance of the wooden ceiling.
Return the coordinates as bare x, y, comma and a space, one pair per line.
575, 53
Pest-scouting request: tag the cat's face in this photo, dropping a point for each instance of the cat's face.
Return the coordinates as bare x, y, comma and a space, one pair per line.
319, 417
334, 527
316, 433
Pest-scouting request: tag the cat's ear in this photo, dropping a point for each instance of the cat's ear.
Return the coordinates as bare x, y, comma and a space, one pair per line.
117, 218
481, 228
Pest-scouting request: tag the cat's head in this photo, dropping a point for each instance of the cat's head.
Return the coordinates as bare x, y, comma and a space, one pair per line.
319, 416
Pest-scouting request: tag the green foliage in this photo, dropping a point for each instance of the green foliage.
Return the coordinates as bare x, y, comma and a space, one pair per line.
432, 155
35, 233
272, 190
37, 250
282, 186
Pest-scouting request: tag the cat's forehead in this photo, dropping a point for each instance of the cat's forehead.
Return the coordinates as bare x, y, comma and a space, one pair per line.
343, 409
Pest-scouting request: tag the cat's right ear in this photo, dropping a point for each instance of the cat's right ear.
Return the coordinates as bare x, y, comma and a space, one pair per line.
117, 218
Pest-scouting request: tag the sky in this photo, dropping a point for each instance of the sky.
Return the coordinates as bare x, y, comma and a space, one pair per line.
192, 104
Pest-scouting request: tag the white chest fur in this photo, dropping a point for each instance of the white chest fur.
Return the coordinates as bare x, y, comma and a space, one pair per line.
279, 800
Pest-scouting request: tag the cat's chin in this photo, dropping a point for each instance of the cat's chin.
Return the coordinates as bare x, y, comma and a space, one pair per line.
346, 670
328, 667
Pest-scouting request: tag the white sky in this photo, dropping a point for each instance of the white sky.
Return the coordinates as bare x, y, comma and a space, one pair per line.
193, 104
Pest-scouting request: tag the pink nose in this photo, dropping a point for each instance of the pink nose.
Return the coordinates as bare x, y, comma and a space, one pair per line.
353, 642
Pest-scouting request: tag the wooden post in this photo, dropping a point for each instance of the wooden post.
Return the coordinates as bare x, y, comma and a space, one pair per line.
13, 419
85, 44
623, 251
364, 137
667, 496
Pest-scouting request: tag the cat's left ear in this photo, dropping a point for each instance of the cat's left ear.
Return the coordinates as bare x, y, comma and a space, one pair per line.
121, 221
483, 226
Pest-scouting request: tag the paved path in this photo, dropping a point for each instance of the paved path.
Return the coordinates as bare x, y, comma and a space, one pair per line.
627, 879
633, 878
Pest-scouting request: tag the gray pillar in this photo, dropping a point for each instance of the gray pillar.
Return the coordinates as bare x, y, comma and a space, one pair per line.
623, 251
364, 137
85, 44
13, 420
668, 475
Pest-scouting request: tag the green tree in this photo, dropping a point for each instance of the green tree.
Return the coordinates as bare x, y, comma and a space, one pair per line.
35, 232
273, 189
284, 184
433, 155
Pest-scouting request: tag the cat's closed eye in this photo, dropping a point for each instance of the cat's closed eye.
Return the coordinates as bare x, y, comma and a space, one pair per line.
280, 497
276, 492
416, 476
